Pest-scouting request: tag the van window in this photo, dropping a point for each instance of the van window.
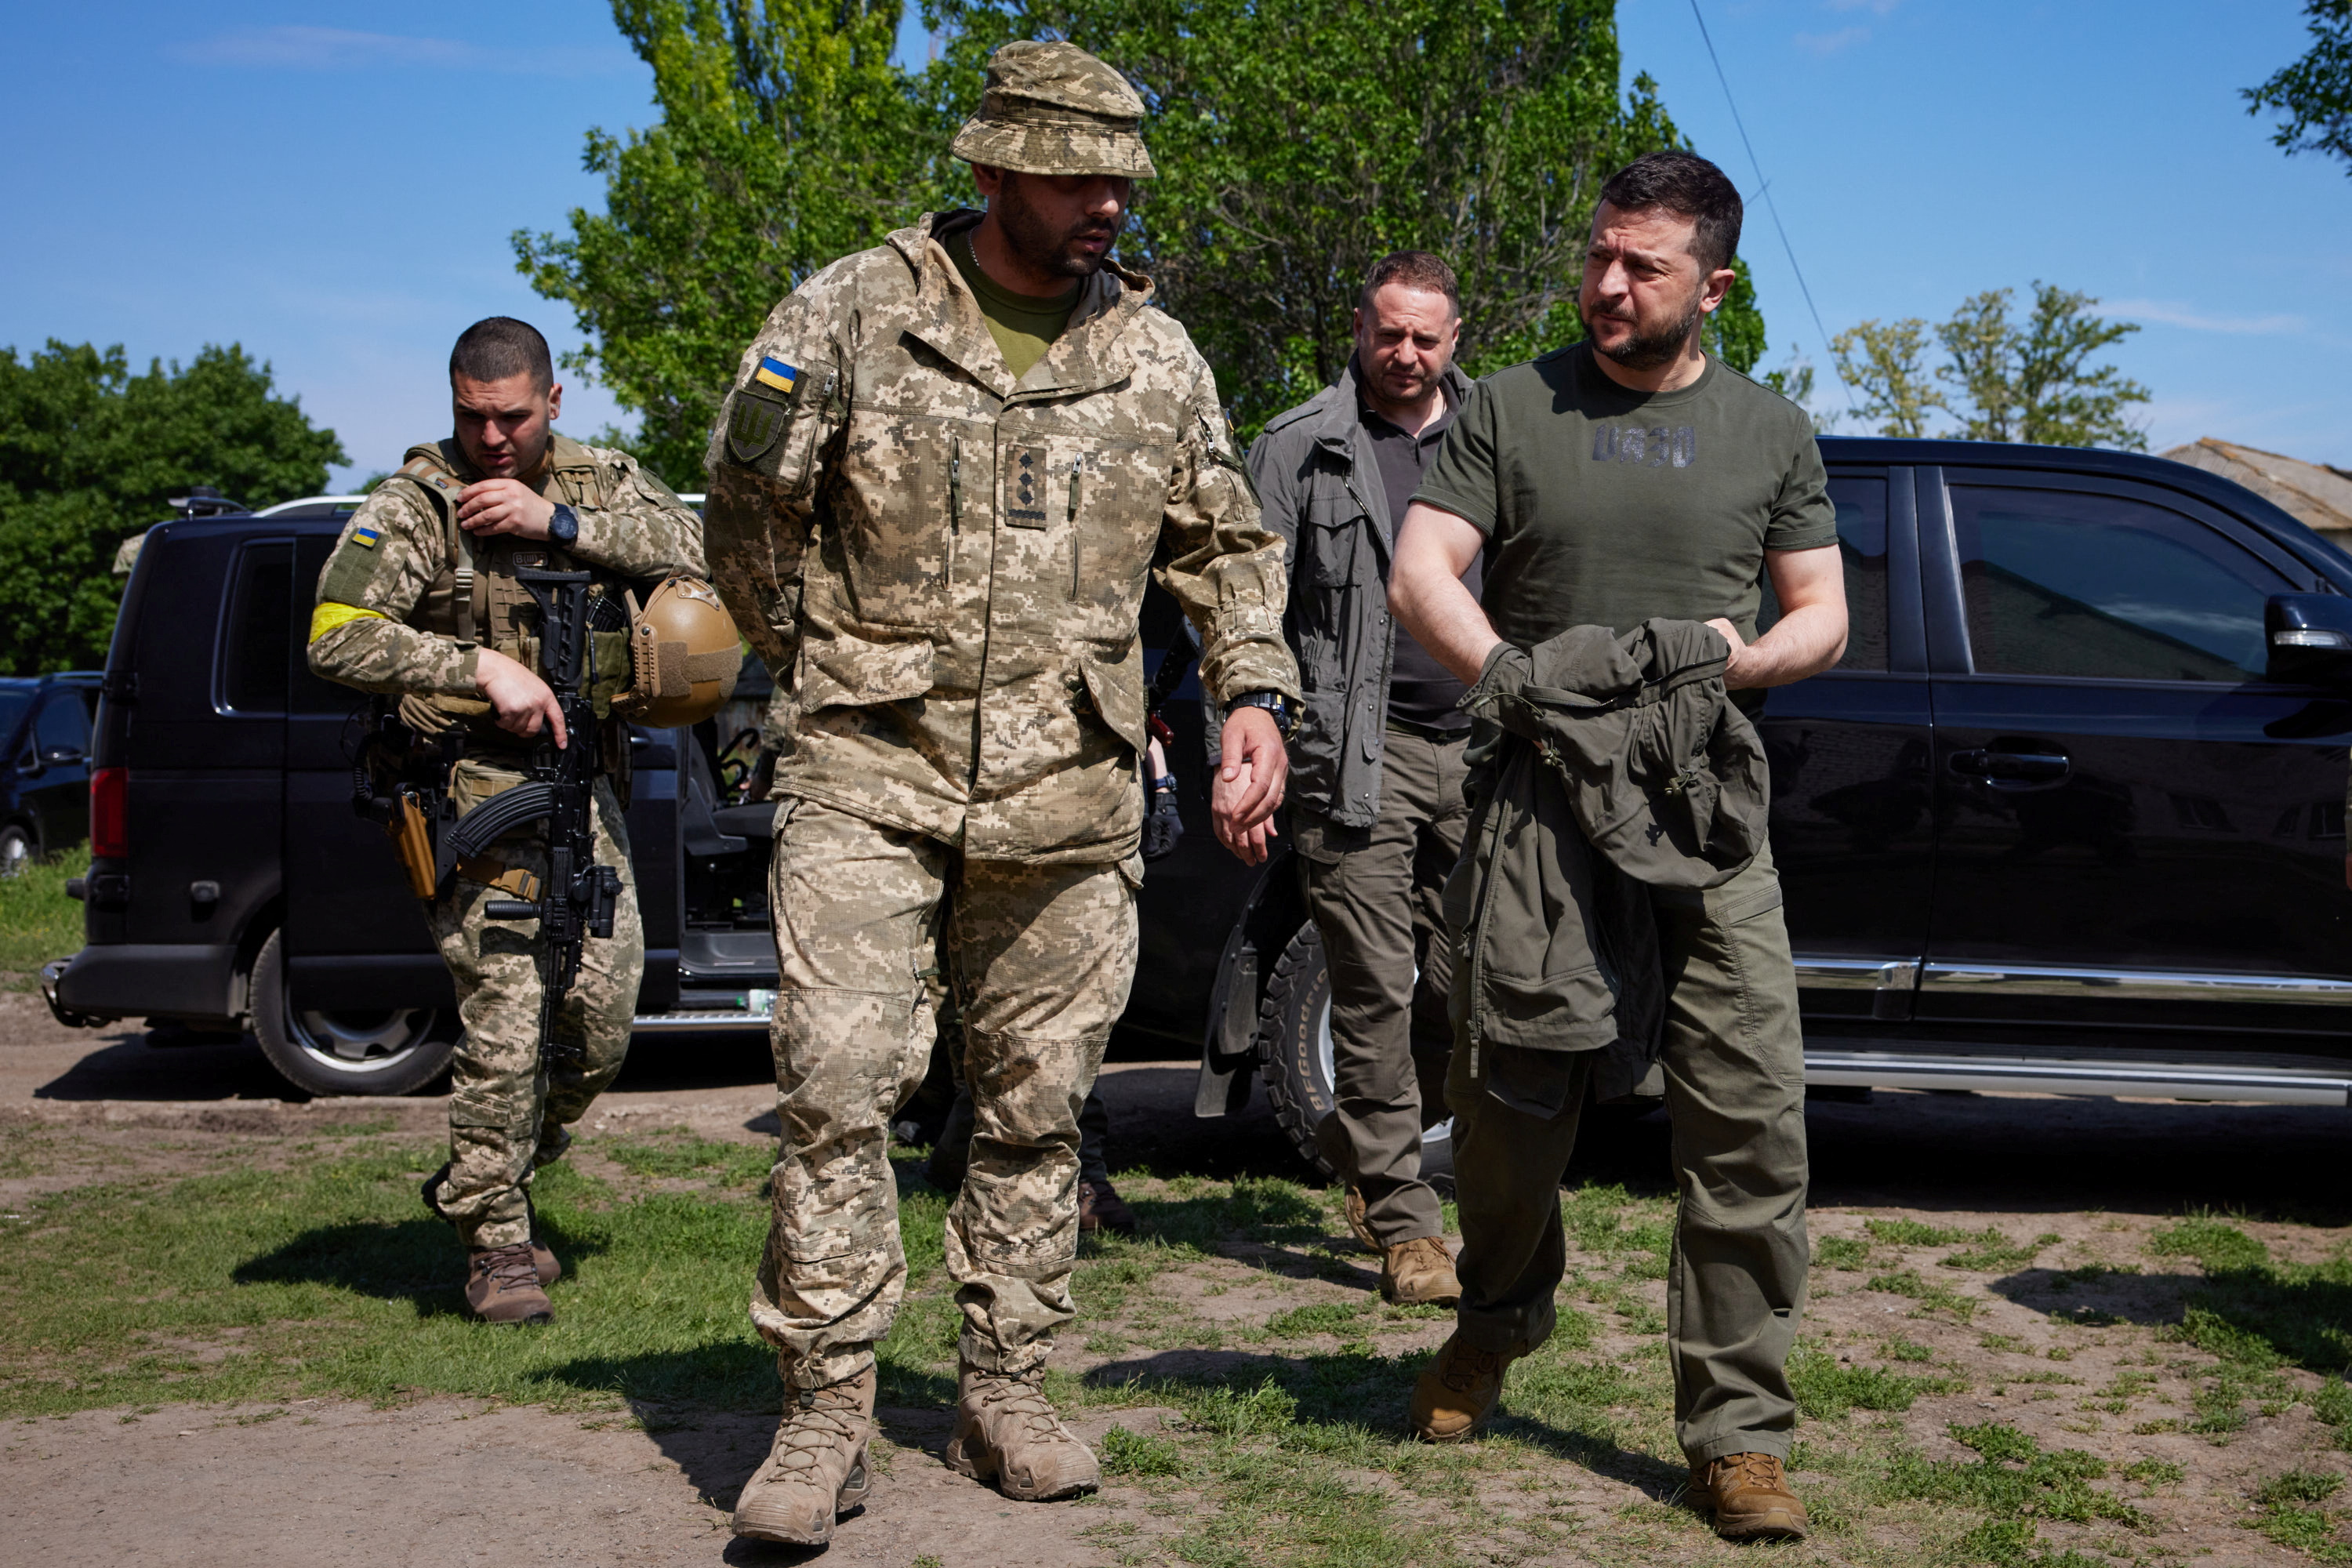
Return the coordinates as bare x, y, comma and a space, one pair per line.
1861, 503
257, 633
2100, 586
63, 724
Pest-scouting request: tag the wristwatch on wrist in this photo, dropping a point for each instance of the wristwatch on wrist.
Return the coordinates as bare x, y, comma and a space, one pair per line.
563, 528
1286, 716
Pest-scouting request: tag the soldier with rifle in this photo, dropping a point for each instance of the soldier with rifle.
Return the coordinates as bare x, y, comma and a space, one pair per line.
512, 595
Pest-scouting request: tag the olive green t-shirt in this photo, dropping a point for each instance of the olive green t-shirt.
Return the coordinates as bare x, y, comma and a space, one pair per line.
1023, 325
1603, 506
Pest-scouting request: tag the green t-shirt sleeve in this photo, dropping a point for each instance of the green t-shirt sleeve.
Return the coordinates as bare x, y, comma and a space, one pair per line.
1465, 478
1803, 517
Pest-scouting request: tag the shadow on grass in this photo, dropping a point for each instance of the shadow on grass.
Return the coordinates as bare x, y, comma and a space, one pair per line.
1349, 1404
414, 1261
2262, 1313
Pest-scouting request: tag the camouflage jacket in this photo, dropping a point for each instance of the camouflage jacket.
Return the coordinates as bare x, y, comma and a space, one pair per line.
945, 567
381, 615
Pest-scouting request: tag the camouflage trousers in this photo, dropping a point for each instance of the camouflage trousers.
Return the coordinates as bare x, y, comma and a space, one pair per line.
1040, 958
507, 1112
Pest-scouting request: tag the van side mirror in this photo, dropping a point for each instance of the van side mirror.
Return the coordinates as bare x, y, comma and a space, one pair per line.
2310, 638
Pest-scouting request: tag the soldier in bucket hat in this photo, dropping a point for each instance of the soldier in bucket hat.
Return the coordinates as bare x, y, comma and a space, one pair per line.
941, 481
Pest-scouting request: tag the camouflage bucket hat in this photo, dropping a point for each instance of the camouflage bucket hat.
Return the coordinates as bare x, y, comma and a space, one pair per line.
1054, 108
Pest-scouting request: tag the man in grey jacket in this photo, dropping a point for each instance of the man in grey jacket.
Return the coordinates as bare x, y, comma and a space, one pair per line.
1377, 812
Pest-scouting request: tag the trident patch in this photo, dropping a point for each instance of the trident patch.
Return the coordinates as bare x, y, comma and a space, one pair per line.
753, 426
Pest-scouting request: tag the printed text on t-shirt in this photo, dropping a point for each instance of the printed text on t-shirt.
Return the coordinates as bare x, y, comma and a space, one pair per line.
1652, 446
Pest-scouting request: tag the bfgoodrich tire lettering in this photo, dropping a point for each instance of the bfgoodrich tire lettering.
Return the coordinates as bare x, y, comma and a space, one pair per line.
1294, 1040
380, 1050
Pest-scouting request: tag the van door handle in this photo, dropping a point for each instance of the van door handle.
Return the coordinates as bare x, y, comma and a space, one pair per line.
2012, 770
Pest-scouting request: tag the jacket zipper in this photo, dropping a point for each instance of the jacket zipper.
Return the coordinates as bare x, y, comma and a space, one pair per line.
1078, 556
955, 511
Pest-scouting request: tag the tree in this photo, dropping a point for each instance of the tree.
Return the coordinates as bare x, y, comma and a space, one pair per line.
91, 454
2034, 385
787, 138
1297, 144
1884, 362
1794, 381
2314, 95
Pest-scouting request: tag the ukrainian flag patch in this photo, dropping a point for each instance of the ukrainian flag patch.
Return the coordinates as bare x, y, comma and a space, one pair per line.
775, 372
365, 538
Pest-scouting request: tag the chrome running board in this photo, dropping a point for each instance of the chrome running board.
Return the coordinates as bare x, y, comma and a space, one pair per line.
2042, 1075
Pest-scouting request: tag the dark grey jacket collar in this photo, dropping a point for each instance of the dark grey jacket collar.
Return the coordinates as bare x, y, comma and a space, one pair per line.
1333, 414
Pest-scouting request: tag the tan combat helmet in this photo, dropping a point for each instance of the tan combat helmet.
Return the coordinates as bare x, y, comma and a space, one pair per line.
685, 653
1054, 108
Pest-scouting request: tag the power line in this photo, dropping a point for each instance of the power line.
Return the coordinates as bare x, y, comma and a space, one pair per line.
1764, 189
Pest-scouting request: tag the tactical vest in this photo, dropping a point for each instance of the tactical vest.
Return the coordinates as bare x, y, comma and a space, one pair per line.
476, 599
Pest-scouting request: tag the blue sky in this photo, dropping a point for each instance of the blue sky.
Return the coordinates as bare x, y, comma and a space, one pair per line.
333, 186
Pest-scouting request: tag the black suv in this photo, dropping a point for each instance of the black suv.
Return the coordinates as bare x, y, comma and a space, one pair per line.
2069, 815
45, 766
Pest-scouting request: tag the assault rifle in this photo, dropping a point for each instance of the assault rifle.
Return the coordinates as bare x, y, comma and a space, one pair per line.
577, 899
1163, 826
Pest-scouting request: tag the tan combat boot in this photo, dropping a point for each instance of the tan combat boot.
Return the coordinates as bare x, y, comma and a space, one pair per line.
542, 1259
1456, 1391
1007, 1432
816, 1471
1750, 1497
1359, 1222
1419, 1273
502, 1286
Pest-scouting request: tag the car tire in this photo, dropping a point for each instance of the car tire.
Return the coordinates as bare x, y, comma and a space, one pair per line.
17, 849
380, 1050
1294, 1036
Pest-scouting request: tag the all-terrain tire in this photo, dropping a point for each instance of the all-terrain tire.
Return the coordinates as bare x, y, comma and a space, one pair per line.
379, 1050
17, 849
1294, 1043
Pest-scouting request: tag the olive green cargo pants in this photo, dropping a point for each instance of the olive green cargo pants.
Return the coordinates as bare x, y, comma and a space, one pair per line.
1373, 893
1040, 958
1735, 1075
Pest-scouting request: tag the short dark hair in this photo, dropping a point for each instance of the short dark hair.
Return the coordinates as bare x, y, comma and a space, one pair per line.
1686, 185
1411, 269
497, 347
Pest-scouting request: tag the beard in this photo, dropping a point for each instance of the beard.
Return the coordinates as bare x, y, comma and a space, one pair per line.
1652, 344
1036, 240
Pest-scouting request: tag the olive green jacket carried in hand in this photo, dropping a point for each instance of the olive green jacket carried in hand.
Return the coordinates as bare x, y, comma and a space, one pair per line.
1603, 766
946, 566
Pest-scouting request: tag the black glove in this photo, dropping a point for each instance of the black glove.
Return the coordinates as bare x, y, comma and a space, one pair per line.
1163, 828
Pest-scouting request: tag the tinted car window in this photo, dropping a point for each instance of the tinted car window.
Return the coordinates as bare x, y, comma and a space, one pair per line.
13, 707
255, 666
1861, 547
2075, 582
64, 723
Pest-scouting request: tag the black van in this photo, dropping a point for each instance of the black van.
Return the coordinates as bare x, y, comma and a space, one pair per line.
2069, 816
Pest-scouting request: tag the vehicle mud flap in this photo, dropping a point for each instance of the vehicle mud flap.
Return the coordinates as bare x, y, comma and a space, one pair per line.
1229, 1058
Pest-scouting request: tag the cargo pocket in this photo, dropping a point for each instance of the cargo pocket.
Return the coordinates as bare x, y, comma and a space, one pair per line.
1114, 495
1114, 685
843, 672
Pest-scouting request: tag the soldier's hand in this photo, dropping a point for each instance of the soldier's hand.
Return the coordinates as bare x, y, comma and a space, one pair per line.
504, 506
1249, 783
522, 699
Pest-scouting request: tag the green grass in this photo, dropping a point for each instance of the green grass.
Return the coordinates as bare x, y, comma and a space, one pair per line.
1912, 1233
1827, 1389
1931, 1297
330, 1280
1847, 1252
37, 921
2289, 1514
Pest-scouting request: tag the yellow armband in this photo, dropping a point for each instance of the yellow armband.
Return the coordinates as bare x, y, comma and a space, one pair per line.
330, 614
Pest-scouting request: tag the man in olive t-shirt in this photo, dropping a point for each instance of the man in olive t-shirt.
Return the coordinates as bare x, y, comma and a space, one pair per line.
1629, 477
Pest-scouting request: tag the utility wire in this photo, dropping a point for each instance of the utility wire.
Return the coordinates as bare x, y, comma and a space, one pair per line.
1765, 190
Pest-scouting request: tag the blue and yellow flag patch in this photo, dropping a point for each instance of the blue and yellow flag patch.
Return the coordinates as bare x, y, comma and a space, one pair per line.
776, 373
365, 538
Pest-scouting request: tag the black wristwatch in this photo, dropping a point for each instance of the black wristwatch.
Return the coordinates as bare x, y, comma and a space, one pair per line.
563, 528
1286, 716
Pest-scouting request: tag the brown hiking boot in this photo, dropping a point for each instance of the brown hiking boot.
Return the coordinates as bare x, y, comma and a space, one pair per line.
1457, 1390
502, 1286
1101, 1208
1419, 1273
1007, 1432
1356, 1210
1750, 1497
543, 1261
815, 1470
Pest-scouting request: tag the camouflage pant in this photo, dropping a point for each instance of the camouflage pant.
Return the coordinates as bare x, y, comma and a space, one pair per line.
507, 1113
1041, 958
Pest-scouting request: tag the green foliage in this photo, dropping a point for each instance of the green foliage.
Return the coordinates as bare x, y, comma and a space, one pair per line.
1912, 1233
2314, 96
1931, 1297
2289, 1514
2217, 1245
1125, 1453
1297, 144
37, 921
2004, 380
91, 453
1341, 1318
1840, 1252
2016, 1484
